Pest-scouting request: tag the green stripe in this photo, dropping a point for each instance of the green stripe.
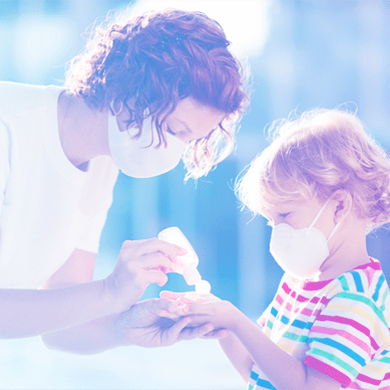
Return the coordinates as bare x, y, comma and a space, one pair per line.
385, 360
270, 324
335, 360
384, 298
365, 300
344, 283
295, 337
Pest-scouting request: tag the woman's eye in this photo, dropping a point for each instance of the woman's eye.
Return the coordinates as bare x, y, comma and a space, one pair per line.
169, 130
284, 215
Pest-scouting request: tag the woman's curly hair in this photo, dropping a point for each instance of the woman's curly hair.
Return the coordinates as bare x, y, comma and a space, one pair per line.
153, 61
315, 155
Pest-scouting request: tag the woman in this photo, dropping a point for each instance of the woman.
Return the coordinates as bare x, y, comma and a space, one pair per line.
146, 92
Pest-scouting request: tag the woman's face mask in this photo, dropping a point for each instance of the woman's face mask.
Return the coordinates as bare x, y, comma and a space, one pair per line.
300, 252
139, 157
189, 121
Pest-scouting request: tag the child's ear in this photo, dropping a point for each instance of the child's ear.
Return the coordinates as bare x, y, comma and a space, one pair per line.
343, 204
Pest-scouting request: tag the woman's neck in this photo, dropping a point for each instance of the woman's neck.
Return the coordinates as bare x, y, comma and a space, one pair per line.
82, 130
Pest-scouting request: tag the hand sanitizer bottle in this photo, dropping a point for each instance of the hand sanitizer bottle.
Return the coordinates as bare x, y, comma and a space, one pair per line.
188, 263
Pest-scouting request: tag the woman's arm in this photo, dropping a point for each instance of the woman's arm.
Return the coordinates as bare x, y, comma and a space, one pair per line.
140, 325
90, 337
27, 313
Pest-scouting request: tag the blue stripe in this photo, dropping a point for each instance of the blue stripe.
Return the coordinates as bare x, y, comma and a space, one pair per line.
358, 281
378, 287
274, 312
254, 376
334, 344
299, 324
285, 320
265, 384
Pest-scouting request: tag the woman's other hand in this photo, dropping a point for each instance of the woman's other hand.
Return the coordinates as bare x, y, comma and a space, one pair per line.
142, 325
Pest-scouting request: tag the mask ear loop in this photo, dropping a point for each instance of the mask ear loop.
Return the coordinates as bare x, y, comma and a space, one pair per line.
113, 109
318, 215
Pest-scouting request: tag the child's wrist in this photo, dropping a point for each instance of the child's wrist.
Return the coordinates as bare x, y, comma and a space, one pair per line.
236, 319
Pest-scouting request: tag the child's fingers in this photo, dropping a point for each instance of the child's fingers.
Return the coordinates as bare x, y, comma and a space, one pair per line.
216, 334
169, 314
173, 296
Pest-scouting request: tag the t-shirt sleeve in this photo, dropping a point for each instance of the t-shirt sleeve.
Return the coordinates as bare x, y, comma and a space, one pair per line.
96, 201
4, 162
345, 336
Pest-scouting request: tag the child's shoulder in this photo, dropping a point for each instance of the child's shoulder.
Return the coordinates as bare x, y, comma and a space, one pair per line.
367, 280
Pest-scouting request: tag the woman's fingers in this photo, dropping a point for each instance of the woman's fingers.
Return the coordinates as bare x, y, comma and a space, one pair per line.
172, 334
190, 333
156, 276
144, 247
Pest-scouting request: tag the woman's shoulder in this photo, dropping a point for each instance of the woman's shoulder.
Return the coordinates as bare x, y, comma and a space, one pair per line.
19, 97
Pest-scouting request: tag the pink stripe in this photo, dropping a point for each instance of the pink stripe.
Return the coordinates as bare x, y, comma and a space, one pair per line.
262, 322
355, 386
307, 312
313, 286
279, 299
327, 370
354, 324
344, 334
286, 289
301, 298
367, 379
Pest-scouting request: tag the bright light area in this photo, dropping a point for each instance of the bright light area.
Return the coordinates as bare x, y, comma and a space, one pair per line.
246, 22
41, 42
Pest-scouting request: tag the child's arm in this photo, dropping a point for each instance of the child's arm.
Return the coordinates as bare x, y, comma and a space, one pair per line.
283, 370
237, 355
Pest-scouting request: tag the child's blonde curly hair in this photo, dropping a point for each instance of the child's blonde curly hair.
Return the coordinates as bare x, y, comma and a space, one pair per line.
317, 154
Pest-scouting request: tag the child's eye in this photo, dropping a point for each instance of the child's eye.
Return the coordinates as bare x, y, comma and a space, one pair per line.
284, 215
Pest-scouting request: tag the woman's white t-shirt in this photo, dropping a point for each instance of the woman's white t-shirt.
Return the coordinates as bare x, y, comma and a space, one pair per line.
48, 206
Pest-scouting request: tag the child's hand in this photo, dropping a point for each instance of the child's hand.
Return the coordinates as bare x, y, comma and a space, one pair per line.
202, 309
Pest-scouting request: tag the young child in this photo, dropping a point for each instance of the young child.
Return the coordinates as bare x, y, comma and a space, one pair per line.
322, 184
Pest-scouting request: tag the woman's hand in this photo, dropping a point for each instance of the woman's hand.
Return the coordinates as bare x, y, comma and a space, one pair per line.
139, 264
202, 309
142, 326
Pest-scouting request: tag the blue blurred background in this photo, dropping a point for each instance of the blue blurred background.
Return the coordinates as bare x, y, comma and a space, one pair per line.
302, 54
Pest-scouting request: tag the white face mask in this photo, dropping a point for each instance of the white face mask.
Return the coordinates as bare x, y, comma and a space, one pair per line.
135, 158
300, 252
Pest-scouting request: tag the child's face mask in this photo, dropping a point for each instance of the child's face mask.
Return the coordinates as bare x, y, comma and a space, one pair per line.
135, 158
300, 252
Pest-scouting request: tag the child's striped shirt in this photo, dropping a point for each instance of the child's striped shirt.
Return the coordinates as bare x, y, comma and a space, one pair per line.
339, 327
